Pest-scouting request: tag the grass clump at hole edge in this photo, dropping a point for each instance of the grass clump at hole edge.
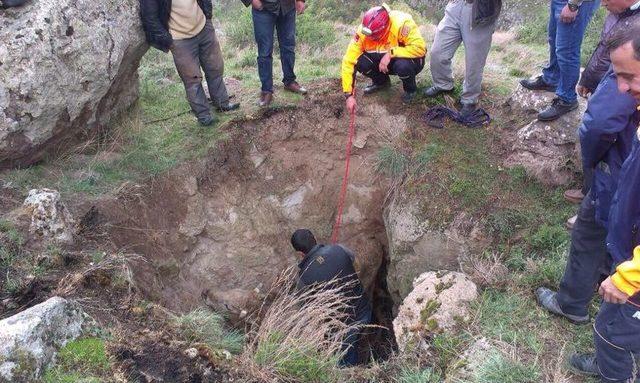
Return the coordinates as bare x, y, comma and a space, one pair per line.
412, 374
391, 161
204, 326
500, 368
81, 360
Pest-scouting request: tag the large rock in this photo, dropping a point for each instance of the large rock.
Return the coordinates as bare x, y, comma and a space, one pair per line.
414, 247
29, 340
67, 68
548, 151
49, 216
439, 301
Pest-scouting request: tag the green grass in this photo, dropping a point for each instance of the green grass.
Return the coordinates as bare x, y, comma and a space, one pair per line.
411, 374
82, 360
391, 161
499, 368
205, 326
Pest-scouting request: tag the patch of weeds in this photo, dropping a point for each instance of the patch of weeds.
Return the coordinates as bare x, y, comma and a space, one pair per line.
82, 360
425, 156
202, 325
547, 270
448, 347
504, 224
97, 256
313, 29
470, 192
391, 161
534, 30
517, 72
547, 238
412, 374
238, 27
499, 368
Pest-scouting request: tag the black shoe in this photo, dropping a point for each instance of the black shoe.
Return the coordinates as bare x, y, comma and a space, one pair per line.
547, 299
537, 83
433, 91
557, 109
369, 89
207, 120
584, 364
468, 109
407, 97
228, 106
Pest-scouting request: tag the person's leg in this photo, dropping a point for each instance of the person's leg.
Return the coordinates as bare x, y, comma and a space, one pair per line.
477, 42
445, 44
587, 256
350, 349
551, 73
213, 65
286, 29
568, 43
407, 70
616, 334
263, 27
368, 65
186, 58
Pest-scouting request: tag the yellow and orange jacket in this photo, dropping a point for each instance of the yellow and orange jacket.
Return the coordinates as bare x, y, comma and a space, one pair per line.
402, 41
627, 275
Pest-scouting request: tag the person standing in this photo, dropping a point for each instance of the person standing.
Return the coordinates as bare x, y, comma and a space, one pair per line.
326, 263
184, 27
280, 16
568, 22
472, 23
387, 42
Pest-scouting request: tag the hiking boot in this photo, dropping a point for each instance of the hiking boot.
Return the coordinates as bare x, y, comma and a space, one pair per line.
407, 97
585, 364
295, 88
537, 83
547, 299
373, 87
206, 120
571, 222
557, 109
468, 109
228, 106
574, 195
433, 91
265, 99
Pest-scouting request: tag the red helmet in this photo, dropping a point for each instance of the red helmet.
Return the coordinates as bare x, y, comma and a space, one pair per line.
375, 22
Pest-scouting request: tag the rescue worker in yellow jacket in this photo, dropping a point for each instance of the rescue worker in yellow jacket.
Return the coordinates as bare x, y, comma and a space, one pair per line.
387, 43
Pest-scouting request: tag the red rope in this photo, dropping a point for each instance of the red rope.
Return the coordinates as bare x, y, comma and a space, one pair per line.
345, 180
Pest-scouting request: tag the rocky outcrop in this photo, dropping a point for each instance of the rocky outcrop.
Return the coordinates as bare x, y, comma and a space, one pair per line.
67, 68
414, 247
49, 216
439, 301
548, 151
29, 340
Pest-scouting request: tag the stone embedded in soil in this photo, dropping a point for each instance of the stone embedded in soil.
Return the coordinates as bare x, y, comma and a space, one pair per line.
30, 339
438, 302
548, 151
49, 216
468, 365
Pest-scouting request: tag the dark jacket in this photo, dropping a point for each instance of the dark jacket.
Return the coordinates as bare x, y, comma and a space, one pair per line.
606, 138
486, 12
155, 21
600, 61
275, 6
326, 263
624, 220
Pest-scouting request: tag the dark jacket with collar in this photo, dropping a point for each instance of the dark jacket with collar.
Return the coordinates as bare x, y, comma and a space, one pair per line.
600, 61
325, 263
275, 6
155, 16
606, 138
486, 12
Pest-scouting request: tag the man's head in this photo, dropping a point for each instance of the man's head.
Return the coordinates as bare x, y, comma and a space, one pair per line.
375, 22
618, 6
303, 241
624, 46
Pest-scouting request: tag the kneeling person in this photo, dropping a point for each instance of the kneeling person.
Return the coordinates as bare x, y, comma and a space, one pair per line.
387, 43
325, 263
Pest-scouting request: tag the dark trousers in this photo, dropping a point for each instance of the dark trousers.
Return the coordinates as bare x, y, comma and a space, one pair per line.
406, 69
588, 259
351, 342
565, 41
616, 334
264, 24
201, 51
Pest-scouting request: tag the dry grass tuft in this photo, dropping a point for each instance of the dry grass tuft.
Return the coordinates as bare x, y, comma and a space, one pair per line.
299, 335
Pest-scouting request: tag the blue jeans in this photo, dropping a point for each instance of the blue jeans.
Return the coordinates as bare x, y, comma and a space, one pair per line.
351, 342
264, 24
565, 41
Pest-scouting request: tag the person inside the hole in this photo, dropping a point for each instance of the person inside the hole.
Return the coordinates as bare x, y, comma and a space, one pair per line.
616, 330
325, 263
387, 43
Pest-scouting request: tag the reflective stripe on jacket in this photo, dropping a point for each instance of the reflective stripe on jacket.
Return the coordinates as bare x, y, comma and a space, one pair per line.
402, 41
